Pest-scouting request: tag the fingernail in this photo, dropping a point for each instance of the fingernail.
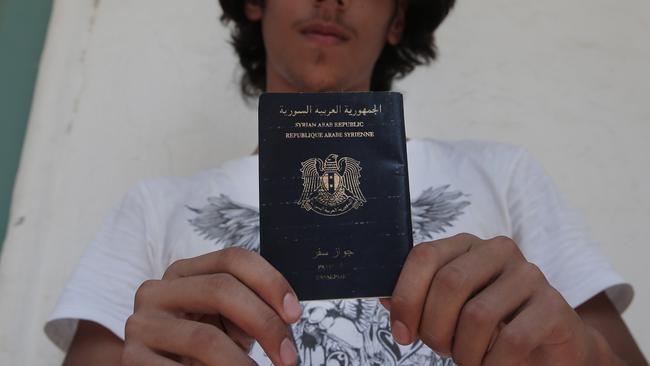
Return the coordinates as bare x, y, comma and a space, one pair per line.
291, 306
400, 332
288, 352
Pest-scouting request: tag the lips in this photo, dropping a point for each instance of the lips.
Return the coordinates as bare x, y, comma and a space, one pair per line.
325, 33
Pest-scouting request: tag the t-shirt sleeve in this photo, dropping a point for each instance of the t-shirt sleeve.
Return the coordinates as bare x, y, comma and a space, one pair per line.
553, 236
102, 287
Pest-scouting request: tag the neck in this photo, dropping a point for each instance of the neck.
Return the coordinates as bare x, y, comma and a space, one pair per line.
276, 83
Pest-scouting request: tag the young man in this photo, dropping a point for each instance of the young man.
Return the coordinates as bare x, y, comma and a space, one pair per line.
184, 250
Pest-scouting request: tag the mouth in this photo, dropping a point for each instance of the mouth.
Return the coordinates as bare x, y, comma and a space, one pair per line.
325, 33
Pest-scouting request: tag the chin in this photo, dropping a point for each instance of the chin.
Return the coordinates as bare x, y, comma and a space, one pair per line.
328, 83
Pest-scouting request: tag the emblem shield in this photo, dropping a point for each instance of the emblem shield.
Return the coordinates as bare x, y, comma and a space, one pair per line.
331, 187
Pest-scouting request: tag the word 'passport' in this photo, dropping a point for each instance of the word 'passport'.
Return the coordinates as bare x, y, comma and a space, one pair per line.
335, 215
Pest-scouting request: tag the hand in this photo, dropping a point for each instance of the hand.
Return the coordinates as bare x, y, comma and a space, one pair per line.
482, 303
207, 311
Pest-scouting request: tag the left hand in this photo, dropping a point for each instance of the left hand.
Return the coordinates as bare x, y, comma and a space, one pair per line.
483, 303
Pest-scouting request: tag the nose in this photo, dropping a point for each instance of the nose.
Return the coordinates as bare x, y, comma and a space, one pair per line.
330, 10
338, 3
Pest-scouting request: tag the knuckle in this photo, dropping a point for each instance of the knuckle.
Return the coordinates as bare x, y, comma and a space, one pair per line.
398, 302
466, 238
146, 288
421, 249
274, 279
555, 301
232, 253
132, 327
203, 337
463, 357
531, 271
145, 291
219, 283
502, 240
434, 341
422, 254
515, 340
505, 244
477, 313
175, 267
130, 356
450, 278
271, 325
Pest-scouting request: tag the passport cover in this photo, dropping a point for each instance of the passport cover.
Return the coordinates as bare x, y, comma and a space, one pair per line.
335, 214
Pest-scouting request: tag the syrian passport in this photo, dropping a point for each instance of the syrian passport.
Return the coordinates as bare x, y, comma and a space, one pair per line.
335, 214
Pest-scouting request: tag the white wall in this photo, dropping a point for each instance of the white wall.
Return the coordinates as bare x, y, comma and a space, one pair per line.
132, 89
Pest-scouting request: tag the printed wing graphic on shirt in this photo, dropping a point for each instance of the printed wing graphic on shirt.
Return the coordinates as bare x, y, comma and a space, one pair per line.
228, 223
434, 211
351, 332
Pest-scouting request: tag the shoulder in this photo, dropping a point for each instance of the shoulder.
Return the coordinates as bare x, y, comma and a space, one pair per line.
494, 157
161, 191
162, 196
472, 149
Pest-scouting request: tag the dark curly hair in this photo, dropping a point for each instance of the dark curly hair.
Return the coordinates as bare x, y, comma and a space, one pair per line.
417, 46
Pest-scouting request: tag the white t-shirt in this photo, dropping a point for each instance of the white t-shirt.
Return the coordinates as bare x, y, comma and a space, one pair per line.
485, 189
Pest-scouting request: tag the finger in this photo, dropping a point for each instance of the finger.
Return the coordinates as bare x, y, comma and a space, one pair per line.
237, 335
480, 317
455, 283
251, 269
224, 294
412, 287
241, 338
196, 340
529, 329
495, 334
135, 355
212, 319
188, 361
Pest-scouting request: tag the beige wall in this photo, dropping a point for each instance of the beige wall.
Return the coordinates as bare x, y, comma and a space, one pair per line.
132, 89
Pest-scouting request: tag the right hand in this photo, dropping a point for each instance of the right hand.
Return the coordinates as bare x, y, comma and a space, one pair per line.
207, 310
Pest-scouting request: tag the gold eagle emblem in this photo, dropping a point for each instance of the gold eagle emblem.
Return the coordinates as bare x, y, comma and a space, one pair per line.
331, 187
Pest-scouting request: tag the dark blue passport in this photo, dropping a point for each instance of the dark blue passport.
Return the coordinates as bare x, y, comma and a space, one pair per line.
335, 214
